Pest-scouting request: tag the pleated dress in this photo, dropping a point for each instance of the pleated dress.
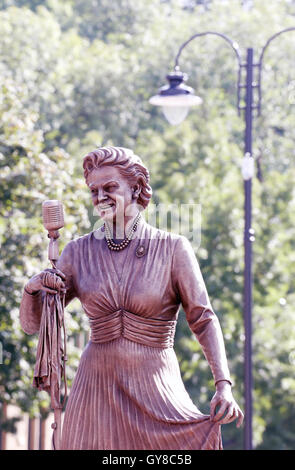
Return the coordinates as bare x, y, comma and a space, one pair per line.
128, 392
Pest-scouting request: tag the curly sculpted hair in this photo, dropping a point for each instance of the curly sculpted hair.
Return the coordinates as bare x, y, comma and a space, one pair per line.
130, 166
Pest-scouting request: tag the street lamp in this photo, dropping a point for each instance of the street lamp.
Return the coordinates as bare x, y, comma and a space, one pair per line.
176, 99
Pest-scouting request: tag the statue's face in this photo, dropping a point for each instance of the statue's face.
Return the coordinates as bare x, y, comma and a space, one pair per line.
111, 193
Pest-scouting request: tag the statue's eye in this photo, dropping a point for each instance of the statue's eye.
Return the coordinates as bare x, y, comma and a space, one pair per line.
111, 187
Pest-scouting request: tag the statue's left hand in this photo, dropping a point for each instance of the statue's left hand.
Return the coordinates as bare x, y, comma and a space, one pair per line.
228, 410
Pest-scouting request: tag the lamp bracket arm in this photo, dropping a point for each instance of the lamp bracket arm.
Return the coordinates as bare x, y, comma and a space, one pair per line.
274, 36
233, 44
270, 40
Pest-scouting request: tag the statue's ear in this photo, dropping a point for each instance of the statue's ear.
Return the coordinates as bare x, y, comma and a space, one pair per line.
136, 191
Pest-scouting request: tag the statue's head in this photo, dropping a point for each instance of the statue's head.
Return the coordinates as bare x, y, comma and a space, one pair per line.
122, 167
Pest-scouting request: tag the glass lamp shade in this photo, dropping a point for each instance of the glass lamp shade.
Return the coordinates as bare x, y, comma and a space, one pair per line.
175, 114
175, 107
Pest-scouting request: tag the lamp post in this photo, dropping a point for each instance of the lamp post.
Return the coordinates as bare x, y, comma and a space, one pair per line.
176, 99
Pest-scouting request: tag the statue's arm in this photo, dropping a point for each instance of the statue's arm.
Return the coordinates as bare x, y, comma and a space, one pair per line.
32, 302
202, 320
30, 311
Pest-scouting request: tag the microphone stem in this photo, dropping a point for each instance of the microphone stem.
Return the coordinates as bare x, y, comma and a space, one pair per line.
53, 252
53, 264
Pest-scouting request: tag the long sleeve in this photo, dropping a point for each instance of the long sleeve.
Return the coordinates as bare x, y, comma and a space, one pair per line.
30, 311
202, 320
31, 304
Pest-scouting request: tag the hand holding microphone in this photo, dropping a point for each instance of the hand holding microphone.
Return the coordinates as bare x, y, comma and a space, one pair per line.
50, 280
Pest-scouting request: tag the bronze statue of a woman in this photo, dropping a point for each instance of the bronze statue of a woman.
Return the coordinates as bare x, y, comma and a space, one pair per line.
131, 279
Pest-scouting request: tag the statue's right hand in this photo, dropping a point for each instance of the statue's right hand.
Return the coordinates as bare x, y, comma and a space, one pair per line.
49, 280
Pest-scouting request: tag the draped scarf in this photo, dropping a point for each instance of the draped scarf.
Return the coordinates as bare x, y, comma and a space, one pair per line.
49, 369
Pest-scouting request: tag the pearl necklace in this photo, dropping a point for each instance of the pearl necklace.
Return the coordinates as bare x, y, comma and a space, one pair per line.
120, 246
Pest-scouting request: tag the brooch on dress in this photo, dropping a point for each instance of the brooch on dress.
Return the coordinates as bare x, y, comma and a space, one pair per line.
140, 251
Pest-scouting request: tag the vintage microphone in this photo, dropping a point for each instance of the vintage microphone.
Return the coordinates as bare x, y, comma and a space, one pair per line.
53, 220
51, 353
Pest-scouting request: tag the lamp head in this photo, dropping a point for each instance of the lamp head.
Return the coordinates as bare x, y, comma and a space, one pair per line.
175, 98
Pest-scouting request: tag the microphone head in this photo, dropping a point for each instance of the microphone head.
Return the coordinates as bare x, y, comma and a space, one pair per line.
53, 217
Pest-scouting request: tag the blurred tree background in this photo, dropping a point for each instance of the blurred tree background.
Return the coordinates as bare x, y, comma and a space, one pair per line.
77, 75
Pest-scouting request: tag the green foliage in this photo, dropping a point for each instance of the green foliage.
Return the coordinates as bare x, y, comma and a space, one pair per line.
76, 75
28, 176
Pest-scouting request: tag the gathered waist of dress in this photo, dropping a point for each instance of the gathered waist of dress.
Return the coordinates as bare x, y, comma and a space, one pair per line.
122, 323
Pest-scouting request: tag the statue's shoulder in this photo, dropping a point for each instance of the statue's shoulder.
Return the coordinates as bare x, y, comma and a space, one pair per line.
156, 233
78, 242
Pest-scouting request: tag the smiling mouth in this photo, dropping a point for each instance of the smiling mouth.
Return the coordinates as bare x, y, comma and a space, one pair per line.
105, 207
